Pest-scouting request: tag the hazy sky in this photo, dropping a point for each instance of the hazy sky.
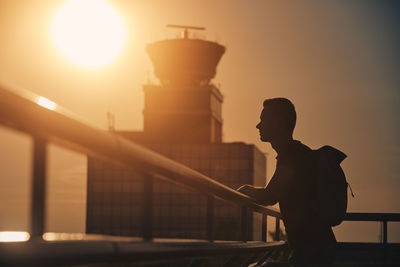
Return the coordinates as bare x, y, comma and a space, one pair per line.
338, 61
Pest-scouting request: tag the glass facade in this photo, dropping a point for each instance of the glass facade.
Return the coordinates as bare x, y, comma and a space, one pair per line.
115, 193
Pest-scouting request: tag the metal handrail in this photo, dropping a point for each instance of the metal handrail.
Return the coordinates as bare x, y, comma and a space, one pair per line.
20, 110
383, 218
56, 253
372, 217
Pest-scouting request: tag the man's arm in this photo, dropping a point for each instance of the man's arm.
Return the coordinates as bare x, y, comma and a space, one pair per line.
271, 194
263, 195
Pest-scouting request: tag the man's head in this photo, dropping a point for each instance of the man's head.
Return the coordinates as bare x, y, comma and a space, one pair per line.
278, 119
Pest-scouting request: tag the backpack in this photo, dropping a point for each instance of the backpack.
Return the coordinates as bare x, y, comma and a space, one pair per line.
331, 185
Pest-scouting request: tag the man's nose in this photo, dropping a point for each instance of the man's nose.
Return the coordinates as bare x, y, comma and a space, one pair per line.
258, 125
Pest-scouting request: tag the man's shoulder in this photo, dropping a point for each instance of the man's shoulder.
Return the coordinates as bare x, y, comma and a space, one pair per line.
297, 147
296, 153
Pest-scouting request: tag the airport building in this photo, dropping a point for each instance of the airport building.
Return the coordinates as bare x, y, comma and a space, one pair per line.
182, 121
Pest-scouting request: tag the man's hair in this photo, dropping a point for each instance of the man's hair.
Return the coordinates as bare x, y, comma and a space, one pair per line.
284, 109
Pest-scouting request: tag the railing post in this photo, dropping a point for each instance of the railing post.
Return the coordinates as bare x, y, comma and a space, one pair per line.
384, 232
264, 227
244, 224
147, 219
210, 218
277, 229
38, 188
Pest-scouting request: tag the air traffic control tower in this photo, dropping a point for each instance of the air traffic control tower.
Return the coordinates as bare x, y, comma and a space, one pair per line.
186, 107
182, 121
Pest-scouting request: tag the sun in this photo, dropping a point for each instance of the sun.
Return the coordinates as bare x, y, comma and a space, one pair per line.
88, 32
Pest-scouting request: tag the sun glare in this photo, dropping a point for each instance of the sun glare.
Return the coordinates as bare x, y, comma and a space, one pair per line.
88, 32
14, 236
46, 103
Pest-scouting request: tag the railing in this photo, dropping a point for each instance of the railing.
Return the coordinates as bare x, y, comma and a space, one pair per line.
46, 122
383, 218
380, 254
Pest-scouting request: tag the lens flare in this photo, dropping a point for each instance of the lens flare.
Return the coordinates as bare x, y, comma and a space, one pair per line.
46, 103
14, 236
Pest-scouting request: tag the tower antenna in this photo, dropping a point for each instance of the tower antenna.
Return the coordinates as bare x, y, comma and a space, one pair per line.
186, 28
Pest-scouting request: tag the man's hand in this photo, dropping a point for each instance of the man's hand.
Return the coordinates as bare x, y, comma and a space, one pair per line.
246, 189
258, 193
250, 190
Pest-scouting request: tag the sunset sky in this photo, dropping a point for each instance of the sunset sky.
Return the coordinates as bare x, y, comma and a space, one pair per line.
338, 61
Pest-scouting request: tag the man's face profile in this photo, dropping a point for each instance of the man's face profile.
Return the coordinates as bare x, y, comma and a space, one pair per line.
264, 126
271, 125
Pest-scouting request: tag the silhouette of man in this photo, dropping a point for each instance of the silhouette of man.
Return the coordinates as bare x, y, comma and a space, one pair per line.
293, 186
